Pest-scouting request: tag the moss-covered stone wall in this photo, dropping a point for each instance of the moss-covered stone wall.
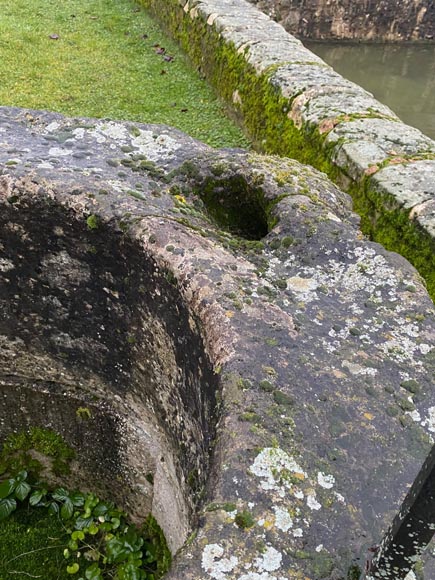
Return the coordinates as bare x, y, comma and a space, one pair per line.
292, 104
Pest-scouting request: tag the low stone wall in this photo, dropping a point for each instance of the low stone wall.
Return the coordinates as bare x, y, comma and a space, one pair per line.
216, 340
291, 103
382, 20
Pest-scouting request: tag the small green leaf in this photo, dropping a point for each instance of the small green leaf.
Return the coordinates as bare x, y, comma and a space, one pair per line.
106, 527
116, 550
78, 535
82, 523
53, 508
66, 553
22, 476
36, 497
100, 509
130, 572
73, 569
7, 506
73, 545
22, 490
60, 494
67, 510
93, 572
116, 522
7, 487
93, 529
77, 498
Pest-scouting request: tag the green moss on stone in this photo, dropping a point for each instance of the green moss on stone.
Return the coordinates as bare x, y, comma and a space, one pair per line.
244, 520
93, 222
283, 399
17, 447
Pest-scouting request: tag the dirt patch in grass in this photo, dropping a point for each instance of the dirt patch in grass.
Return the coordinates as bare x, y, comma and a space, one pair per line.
104, 59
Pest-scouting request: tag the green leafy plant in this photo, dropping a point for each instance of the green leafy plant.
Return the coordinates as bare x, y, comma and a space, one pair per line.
102, 544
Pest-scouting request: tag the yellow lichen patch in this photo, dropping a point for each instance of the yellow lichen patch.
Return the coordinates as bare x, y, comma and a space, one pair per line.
368, 416
298, 475
229, 313
300, 284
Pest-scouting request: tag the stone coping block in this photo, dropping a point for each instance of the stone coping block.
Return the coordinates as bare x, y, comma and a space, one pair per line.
291, 103
258, 375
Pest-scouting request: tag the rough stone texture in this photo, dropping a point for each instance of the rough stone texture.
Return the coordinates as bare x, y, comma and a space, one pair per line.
380, 20
212, 305
291, 103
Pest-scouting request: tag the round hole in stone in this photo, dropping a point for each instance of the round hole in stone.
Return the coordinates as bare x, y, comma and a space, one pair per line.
236, 204
97, 344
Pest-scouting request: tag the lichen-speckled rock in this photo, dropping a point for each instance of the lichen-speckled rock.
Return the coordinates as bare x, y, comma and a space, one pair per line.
232, 333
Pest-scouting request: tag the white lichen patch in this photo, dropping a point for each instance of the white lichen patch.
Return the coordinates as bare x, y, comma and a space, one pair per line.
111, 130
53, 126
425, 348
45, 165
79, 133
269, 466
214, 564
59, 152
356, 369
269, 561
415, 415
156, 149
219, 567
326, 481
333, 217
257, 576
283, 521
312, 502
429, 422
303, 287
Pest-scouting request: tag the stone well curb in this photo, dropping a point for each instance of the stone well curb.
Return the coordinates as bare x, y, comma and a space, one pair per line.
291, 103
279, 389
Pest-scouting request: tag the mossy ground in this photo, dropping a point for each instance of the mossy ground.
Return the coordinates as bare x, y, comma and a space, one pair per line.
31, 546
101, 59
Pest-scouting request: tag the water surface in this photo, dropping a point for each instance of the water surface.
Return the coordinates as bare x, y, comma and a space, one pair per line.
402, 77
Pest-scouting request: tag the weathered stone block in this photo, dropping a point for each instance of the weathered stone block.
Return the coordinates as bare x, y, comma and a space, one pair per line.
231, 333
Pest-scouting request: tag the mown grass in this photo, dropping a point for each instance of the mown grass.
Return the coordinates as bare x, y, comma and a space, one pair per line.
104, 58
31, 546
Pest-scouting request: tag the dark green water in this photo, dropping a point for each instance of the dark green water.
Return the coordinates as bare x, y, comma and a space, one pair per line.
402, 77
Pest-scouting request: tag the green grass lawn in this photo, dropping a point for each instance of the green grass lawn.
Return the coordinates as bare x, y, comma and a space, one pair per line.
104, 58
31, 546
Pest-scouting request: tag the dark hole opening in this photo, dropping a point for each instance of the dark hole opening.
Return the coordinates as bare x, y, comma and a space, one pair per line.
236, 205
